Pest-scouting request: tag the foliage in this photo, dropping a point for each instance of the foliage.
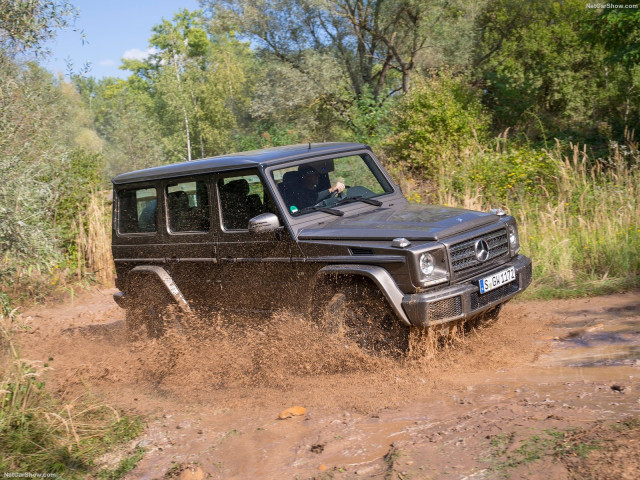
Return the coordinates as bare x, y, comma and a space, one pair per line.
554, 70
587, 236
437, 120
439, 83
46, 176
28, 24
516, 174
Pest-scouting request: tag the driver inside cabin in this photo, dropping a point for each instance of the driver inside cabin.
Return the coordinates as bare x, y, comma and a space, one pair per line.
301, 188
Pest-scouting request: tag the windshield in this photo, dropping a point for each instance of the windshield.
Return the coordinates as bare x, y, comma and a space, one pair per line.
329, 183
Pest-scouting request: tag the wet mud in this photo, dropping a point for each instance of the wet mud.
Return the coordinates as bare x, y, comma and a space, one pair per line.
211, 390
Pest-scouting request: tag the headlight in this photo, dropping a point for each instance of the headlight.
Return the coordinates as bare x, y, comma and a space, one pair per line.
430, 267
427, 263
514, 242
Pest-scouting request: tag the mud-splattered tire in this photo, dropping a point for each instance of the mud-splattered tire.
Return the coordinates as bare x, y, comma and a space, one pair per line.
360, 312
146, 316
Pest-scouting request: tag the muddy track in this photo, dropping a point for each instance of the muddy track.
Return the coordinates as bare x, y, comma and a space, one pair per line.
212, 392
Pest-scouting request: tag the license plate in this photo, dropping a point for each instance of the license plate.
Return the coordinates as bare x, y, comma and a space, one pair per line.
497, 280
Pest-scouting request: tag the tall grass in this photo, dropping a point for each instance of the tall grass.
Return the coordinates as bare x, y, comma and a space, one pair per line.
93, 239
578, 217
38, 434
587, 237
84, 262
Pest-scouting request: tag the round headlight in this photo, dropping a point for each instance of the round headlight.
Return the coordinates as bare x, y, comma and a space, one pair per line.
427, 263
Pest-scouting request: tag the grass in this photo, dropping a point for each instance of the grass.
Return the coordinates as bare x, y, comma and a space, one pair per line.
550, 443
125, 466
41, 434
585, 240
86, 261
601, 450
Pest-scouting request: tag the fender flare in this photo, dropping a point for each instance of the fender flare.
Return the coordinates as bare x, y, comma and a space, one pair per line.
165, 279
381, 277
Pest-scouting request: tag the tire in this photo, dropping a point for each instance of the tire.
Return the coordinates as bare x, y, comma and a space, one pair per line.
147, 316
483, 320
362, 314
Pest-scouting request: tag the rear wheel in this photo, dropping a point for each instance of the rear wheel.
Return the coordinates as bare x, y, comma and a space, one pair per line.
147, 314
360, 312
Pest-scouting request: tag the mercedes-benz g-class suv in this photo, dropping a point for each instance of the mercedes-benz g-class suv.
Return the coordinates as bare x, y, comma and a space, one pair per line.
320, 228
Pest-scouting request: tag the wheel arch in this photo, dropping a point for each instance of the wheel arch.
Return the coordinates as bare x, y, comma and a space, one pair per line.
329, 276
160, 276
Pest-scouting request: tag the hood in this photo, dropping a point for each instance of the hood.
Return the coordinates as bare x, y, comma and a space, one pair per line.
415, 222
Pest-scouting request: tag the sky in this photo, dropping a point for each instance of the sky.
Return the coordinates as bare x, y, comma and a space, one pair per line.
113, 29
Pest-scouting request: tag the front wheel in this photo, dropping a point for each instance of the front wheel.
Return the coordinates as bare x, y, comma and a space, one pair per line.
362, 314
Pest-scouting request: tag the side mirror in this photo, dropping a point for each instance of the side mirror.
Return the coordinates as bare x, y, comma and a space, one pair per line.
264, 223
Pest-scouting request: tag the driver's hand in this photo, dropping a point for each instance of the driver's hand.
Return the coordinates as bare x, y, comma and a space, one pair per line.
338, 187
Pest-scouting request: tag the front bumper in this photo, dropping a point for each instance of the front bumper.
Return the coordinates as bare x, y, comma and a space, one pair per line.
464, 301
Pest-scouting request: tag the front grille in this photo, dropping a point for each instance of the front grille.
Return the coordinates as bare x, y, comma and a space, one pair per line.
447, 308
479, 301
463, 254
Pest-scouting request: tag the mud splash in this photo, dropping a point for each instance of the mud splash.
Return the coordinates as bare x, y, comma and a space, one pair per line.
256, 360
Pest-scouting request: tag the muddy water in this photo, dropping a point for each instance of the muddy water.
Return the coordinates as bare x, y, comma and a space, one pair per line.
212, 392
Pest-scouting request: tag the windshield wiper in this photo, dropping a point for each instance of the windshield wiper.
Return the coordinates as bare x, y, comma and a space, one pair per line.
359, 198
319, 208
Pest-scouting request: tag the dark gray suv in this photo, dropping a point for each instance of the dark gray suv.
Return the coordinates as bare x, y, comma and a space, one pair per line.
321, 228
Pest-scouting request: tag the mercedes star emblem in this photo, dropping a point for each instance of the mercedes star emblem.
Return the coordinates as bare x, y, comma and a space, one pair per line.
482, 251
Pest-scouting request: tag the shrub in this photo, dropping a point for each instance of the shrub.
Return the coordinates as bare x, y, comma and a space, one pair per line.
436, 121
516, 173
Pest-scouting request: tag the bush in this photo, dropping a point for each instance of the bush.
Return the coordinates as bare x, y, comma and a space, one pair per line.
436, 121
516, 173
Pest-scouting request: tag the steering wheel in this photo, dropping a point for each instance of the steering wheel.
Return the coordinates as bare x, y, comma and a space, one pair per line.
334, 196
339, 195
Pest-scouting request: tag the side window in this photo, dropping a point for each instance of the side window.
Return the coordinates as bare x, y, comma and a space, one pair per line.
137, 210
242, 198
188, 206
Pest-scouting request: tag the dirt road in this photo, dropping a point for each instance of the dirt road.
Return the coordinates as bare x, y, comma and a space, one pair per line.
550, 390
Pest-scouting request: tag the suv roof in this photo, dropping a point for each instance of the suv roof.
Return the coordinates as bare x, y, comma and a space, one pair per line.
265, 156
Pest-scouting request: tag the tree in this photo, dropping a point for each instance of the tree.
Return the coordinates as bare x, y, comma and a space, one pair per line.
619, 31
195, 81
25, 25
377, 45
558, 69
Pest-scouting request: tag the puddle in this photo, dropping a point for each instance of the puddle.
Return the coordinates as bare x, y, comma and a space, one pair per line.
608, 337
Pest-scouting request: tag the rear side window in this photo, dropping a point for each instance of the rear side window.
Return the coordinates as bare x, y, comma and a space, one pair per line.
188, 206
137, 210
